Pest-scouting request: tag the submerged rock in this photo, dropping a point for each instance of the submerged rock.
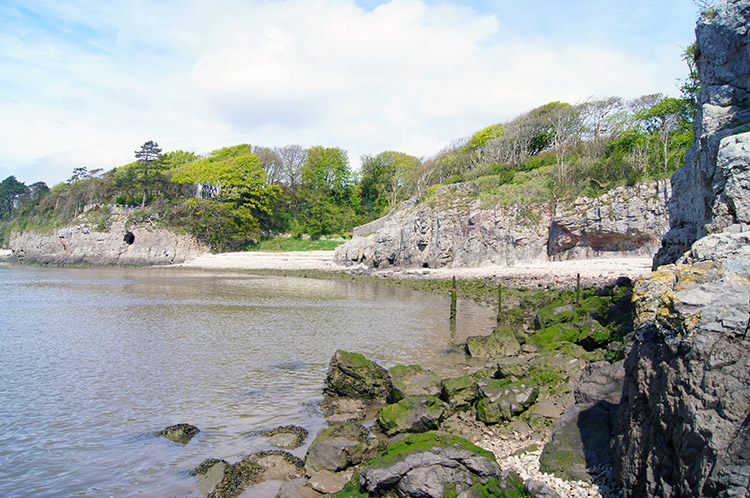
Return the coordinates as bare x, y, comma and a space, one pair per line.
179, 433
287, 436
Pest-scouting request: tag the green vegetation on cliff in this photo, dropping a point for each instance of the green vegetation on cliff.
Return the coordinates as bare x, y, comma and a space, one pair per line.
234, 197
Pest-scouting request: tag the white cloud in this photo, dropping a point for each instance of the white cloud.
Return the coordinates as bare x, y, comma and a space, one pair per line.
406, 75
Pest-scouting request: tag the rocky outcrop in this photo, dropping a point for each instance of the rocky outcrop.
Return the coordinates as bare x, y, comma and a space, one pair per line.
683, 428
711, 192
351, 375
123, 243
452, 230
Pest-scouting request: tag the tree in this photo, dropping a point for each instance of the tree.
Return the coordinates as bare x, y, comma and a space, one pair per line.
663, 120
292, 159
387, 179
10, 190
148, 167
234, 177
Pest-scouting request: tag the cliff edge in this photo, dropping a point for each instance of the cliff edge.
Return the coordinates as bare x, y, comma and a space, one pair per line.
683, 426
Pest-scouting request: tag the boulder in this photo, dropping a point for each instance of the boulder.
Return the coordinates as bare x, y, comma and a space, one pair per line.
351, 375
412, 414
327, 482
502, 342
218, 479
582, 436
501, 400
459, 392
297, 489
179, 433
340, 447
430, 464
412, 380
287, 436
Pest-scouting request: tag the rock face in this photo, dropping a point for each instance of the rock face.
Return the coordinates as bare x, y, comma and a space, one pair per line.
455, 232
122, 244
711, 192
683, 428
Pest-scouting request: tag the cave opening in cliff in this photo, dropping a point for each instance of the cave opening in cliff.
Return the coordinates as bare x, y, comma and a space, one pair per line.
129, 238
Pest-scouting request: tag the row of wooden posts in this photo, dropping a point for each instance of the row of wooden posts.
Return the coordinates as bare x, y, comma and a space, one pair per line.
454, 300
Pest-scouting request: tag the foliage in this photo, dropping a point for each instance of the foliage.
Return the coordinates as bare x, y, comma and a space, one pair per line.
386, 180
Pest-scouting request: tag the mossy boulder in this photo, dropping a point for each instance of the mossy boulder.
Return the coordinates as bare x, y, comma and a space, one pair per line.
339, 447
502, 342
412, 380
461, 392
351, 375
510, 486
501, 400
428, 465
179, 433
218, 479
287, 436
412, 414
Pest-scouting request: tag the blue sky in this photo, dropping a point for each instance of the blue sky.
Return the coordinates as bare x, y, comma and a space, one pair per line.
86, 82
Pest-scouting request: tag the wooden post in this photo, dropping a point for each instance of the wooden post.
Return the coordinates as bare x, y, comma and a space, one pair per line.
499, 302
578, 291
453, 301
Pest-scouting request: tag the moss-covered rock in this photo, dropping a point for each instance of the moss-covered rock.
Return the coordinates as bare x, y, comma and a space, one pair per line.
179, 433
412, 380
502, 342
501, 400
461, 392
287, 436
351, 375
510, 486
427, 465
412, 414
339, 447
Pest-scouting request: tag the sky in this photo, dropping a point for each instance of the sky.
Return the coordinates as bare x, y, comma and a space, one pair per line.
84, 83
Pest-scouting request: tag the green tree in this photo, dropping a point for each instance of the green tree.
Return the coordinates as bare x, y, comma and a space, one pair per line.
234, 177
148, 168
326, 199
10, 191
387, 179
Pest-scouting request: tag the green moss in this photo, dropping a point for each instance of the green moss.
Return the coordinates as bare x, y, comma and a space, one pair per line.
400, 417
512, 487
416, 443
351, 490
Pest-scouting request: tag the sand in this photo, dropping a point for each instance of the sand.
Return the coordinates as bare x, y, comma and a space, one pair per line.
542, 274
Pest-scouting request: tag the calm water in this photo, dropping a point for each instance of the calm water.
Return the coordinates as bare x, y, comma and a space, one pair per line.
93, 361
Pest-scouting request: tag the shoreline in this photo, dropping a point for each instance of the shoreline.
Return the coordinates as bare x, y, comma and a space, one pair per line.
520, 452
558, 274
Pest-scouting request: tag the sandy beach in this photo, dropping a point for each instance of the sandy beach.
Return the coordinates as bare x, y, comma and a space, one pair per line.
550, 273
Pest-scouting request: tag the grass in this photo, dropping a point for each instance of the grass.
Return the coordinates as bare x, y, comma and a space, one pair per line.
286, 244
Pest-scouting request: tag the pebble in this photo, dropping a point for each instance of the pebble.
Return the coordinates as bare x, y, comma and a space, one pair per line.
510, 454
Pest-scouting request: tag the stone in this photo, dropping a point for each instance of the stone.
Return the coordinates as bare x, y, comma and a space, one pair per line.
502, 342
351, 375
179, 433
286, 437
340, 447
327, 482
502, 400
296, 489
424, 465
461, 392
412, 380
412, 414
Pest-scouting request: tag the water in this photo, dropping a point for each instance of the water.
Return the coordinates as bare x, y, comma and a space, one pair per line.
93, 361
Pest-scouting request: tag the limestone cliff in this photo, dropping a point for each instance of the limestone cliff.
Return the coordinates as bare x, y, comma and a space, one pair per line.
123, 244
453, 231
683, 427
